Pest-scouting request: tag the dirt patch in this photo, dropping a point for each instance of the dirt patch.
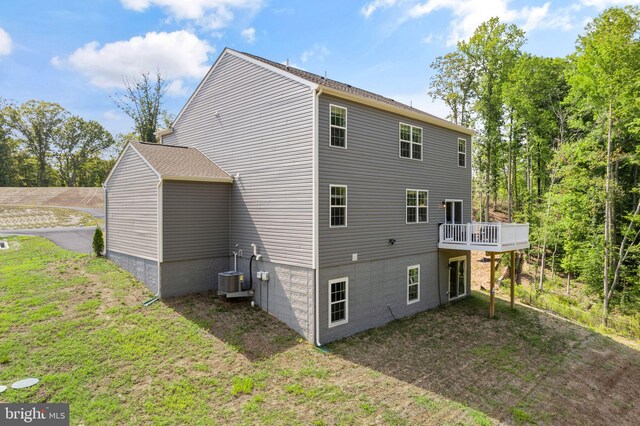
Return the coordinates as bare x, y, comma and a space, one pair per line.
30, 217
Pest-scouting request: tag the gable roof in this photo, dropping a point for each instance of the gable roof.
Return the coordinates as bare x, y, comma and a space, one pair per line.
342, 87
326, 86
172, 162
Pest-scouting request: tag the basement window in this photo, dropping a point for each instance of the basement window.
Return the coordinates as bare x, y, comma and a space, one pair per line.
338, 301
413, 284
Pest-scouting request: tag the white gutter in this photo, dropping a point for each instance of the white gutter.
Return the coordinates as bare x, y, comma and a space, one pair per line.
316, 223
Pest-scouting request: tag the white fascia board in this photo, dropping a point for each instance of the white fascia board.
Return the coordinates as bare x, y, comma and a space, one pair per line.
126, 148
424, 117
163, 132
145, 161
197, 179
228, 51
271, 68
207, 157
106, 181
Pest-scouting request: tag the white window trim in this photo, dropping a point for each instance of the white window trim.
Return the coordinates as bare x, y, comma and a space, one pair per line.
346, 302
465, 153
409, 302
346, 209
454, 259
452, 200
417, 222
411, 143
339, 127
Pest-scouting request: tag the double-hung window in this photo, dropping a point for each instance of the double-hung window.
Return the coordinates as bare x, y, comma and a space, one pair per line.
417, 206
413, 284
338, 301
410, 141
338, 127
462, 152
337, 206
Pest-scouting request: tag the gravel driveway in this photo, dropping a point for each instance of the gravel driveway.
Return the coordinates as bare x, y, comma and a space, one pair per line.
76, 239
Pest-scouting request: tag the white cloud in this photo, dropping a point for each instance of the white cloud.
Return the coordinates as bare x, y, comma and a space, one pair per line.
368, 9
467, 15
249, 35
177, 88
211, 14
177, 55
318, 51
6, 45
603, 4
428, 39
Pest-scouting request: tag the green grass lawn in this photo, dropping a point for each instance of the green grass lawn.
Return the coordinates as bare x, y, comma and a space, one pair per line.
78, 324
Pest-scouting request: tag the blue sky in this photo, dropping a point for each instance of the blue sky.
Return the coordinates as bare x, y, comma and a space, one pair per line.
76, 52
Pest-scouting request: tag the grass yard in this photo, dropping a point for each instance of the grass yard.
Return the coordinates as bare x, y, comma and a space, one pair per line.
78, 324
31, 217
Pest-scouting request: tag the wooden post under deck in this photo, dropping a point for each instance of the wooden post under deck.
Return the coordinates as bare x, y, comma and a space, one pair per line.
492, 289
513, 276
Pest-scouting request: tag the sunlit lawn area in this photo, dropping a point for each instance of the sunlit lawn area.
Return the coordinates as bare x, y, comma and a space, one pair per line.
78, 324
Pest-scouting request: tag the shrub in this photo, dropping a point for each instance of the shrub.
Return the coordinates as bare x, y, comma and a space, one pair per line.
98, 242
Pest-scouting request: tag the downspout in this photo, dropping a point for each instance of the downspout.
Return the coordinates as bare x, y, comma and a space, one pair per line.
106, 220
160, 235
316, 266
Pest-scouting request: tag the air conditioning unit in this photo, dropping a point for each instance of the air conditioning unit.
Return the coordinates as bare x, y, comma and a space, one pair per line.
230, 284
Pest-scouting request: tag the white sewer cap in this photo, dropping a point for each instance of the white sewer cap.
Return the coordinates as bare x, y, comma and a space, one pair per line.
26, 383
3, 388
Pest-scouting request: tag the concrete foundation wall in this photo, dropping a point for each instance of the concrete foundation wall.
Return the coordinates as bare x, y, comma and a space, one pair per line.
288, 295
191, 276
377, 291
143, 269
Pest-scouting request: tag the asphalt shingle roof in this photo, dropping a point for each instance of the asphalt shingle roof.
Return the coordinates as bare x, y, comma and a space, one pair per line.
180, 162
343, 87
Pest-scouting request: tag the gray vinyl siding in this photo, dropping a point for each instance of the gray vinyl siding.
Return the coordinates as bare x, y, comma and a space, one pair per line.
377, 291
132, 202
377, 179
195, 220
263, 132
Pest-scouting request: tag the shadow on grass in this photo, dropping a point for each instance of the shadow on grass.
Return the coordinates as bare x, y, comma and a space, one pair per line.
524, 366
250, 331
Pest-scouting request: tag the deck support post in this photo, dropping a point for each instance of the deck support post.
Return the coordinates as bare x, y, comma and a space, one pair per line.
492, 290
513, 277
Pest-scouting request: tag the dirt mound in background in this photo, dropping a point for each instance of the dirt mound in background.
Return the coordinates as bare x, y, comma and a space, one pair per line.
62, 197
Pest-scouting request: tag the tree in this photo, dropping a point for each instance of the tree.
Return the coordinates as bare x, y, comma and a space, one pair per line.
98, 242
142, 101
78, 142
453, 83
7, 149
492, 52
37, 123
605, 86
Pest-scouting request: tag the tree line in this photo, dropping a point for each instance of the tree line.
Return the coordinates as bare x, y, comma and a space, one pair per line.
557, 145
42, 144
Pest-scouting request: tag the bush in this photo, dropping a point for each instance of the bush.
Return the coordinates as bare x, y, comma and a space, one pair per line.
98, 242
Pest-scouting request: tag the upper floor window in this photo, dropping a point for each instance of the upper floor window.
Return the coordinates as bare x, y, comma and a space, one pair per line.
462, 152
337, 205
413, 284
417, 206
410, 142
338, 126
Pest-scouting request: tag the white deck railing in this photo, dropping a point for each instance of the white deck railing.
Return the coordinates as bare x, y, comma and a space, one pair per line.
490, 234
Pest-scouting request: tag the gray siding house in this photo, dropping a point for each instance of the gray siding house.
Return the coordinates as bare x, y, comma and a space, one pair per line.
359, 207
